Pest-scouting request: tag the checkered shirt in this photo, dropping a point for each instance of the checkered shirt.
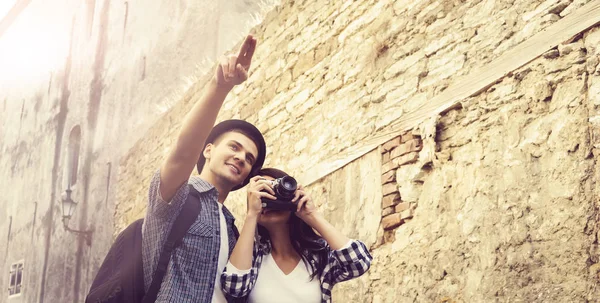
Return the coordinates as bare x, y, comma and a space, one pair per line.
192, 270
344, 264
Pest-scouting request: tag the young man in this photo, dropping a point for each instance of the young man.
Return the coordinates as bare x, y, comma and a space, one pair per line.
226, 157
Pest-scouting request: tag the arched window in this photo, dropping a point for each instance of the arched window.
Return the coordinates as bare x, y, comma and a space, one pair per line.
74, 146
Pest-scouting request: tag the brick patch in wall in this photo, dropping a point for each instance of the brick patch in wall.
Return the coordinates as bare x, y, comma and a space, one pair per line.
386, 157
402, 150
390, 188
392, 221
391, 199
406, 159
387, 211
391, 144
401, 207
389, 176
413, 145
389, 166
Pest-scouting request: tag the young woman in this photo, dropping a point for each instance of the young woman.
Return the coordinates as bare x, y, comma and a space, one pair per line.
279, 257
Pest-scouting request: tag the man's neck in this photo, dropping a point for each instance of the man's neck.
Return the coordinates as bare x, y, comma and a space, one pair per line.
214, 181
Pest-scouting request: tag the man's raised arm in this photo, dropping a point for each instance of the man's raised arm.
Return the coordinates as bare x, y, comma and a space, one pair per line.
182, 158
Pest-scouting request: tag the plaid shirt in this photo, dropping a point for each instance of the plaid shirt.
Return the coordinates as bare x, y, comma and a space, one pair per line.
344, 264
192, 271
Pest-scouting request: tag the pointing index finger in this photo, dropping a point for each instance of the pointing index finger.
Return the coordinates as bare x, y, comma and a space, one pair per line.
247, 49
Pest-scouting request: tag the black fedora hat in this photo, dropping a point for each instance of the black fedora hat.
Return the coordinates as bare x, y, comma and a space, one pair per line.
248, 129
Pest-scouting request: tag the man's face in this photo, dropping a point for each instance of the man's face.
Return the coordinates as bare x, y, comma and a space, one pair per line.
230, 157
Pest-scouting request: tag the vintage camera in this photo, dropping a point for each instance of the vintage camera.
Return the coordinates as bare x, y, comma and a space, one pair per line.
284, 189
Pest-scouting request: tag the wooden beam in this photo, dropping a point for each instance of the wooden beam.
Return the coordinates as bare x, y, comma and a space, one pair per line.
477, 81
12, 15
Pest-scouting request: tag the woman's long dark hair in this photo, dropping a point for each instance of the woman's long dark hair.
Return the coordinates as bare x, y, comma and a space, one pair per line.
304, 239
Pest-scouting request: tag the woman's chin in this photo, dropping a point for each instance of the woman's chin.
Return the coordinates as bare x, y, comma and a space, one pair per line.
270, 217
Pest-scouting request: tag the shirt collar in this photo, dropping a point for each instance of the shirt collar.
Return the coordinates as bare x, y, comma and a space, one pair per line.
201, 185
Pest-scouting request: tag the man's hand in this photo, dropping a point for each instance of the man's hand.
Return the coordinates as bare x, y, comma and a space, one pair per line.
232, 69
258, 188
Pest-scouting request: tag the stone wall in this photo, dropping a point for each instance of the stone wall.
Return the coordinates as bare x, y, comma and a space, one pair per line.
507, 209
493, 201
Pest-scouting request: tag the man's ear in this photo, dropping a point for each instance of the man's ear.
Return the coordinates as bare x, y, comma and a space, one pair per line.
207, 151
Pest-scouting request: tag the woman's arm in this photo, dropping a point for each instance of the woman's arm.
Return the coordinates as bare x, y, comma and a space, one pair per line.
332, 235
307, 211
347, 258
347, 263
241, 271
238, 283
241, 257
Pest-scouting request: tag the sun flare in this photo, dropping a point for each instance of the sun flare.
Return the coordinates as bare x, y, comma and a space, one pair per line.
33, 46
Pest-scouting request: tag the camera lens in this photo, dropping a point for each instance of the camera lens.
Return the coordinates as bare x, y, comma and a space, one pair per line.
289, 183
286, 186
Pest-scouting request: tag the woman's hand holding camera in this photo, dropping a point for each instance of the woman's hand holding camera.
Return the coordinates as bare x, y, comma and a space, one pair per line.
308, 213
258, 188
306, 209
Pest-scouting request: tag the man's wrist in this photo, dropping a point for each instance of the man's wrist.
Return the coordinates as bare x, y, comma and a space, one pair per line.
221, 87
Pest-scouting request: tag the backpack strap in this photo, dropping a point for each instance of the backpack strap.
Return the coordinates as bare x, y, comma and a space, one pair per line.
133, 283
187, 216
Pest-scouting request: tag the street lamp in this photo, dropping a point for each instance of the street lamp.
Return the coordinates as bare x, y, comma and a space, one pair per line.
68, 209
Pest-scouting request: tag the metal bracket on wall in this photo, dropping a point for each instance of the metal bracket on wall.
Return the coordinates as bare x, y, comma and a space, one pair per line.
87, 234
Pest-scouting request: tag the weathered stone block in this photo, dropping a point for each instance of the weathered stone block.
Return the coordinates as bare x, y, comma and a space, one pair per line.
565, 49
391, 221
390, 199
406, 214
389, 116
551, 54
297, 100
305, 62
401, 207
591, 40
413, 145
409, 136
439, 44
406, 159
388, 177
407, 187
594, 91
447, 62
403, 91
541, 91
391, 144
385, 157
387, 211
389, 188
573, 6
559, 7
403, 65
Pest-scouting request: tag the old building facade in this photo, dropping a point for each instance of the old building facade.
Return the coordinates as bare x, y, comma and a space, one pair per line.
80, 81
